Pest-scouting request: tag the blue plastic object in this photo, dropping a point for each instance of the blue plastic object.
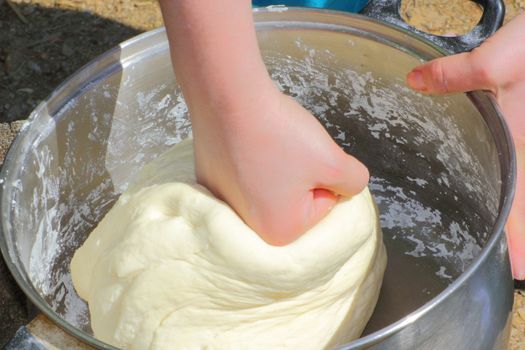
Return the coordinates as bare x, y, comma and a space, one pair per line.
341, 5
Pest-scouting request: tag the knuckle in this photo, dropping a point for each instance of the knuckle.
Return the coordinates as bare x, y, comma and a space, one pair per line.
332, 172
439, 77
482, 69
330, 164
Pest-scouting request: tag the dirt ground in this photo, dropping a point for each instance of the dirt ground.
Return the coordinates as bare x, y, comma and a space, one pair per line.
42, 42
517, 340
446, 17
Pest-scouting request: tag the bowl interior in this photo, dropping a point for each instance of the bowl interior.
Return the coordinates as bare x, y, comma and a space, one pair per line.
433, 160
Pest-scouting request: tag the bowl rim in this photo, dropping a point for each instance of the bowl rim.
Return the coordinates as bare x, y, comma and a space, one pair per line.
113, 56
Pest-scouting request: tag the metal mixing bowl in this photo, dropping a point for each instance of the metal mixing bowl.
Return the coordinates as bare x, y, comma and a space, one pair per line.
442, 170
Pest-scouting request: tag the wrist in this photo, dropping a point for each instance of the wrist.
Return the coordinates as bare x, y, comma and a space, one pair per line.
234, 104
238, 94
216, 58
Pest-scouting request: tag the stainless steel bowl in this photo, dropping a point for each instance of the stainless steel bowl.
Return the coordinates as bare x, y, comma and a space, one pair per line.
442, 168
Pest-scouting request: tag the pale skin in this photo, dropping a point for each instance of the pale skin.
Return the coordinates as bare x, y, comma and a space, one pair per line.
255, 148
499, 67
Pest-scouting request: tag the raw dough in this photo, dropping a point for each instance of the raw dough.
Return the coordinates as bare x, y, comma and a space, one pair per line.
172, 267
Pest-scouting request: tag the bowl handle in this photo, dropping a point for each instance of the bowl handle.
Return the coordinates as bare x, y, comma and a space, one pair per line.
492, 18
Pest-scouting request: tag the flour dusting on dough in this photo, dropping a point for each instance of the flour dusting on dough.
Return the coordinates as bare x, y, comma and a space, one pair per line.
171, 266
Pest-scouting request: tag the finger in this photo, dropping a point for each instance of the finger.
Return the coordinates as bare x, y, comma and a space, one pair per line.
285, 218
323, 202
457, 73
348, 178
516, 240
511, 104
516, 224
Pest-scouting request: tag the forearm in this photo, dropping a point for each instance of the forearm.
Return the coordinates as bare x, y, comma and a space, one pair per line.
215, 54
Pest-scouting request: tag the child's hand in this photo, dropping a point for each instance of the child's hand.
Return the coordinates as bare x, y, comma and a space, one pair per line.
257, 149
499, 66
275, 164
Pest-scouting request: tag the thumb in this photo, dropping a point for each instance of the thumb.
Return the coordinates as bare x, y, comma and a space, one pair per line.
457, 73
516, 224
348, 178
516, 236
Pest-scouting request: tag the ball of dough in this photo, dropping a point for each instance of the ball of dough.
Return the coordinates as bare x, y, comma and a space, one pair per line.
172, 267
